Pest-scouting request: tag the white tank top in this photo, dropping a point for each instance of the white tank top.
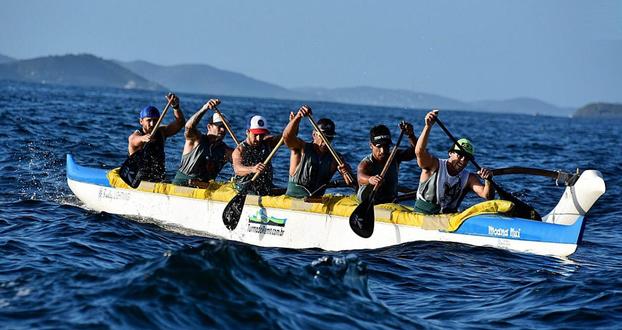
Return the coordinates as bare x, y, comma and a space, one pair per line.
443, 189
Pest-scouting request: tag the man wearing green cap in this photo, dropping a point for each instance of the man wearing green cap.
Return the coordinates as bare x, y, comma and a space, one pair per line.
443, 183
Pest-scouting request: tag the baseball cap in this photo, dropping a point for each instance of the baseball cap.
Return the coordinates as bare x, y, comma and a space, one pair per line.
379, 135
149, 112
258, 125
466, 145
327, 127
216, 120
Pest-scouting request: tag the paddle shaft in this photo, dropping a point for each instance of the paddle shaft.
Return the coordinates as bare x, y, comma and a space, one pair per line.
347, 176
455, 141
272, 153
157, 125
389, 161
226, 123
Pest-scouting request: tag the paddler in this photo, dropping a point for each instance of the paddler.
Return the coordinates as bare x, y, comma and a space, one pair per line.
204, 155
153, 157
370, 168
249, 156
444, 183
311, 164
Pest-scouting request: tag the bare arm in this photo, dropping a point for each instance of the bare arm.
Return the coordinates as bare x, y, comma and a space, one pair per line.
425, 160
136, 142
290, 133
363, 176
175, 126
239, 168
408, 154
192, 134
486, 190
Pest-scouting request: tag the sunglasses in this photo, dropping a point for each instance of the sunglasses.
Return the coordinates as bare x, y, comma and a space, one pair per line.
462, 154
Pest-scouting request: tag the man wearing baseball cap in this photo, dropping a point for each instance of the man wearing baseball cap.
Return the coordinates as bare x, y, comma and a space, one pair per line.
204, 155
444, 182
249, 156
370, 167
311, 164
151, 144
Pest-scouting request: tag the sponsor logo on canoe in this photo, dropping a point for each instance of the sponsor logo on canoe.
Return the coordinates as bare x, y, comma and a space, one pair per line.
262, 223
113, 194
504, 232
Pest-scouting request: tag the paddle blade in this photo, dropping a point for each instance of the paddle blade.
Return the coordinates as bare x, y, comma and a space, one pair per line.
130, 171
362, 219
233, 211
521, 209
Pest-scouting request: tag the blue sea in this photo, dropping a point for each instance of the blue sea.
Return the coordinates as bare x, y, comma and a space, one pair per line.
64, 266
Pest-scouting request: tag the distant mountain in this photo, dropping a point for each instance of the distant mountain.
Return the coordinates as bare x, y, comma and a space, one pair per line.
205, 79
5, 59
600, 110
89, 70
78, 70
382, 97
520, 105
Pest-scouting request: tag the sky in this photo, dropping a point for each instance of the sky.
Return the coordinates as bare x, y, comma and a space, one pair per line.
567, 53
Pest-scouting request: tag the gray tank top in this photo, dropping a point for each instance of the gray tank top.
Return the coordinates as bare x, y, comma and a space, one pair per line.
388, 190
205, 161
314, 169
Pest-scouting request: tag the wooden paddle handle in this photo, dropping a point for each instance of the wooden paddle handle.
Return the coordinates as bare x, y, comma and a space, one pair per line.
330, 148
452, 138
157, 125
272, 153
390, 160
226, 123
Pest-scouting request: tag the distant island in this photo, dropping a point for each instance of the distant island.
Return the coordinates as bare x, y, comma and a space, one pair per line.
90, 70
600, 110
74, 70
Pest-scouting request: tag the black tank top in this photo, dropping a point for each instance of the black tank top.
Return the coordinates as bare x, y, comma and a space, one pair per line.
153, 158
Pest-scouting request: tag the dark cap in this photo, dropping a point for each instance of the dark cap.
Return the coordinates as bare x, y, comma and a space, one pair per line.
327, 127
149, 112
380, 135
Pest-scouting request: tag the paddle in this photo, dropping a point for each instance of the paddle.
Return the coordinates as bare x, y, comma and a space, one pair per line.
233, 210
347, 176
362, 219
130, 171
226, 123
522, 210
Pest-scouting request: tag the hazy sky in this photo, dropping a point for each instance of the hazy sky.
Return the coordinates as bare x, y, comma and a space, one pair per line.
564, 52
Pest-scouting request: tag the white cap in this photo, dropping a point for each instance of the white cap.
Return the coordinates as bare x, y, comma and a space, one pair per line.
215, 119
258, 125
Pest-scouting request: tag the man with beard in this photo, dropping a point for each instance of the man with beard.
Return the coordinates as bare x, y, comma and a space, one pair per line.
248, 158
311, 164
151, 144
444, 183
204, 155
370, 167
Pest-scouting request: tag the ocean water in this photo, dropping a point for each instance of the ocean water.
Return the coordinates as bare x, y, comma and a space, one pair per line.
64, 266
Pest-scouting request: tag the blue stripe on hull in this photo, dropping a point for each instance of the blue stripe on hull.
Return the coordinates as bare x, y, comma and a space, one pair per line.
86, 174
521, 229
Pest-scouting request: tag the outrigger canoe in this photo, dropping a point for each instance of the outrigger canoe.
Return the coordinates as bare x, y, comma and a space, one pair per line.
281, 221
